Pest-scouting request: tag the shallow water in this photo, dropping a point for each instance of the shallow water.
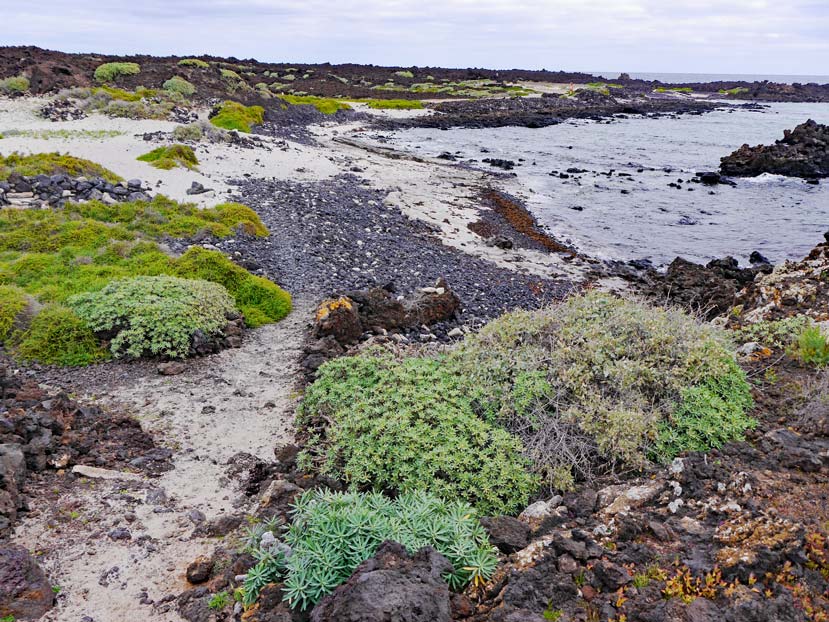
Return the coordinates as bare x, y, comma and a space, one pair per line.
783, 218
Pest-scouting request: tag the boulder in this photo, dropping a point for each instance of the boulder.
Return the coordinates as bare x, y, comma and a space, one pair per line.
391, 586
338, 318
507, 533
432, 305
803, 152
25, 593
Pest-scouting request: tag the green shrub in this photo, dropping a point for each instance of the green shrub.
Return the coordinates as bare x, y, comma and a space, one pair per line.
55, 254
404, 74
154, 315
812, 347
407, 425
167, 158
325, 105
332, 533
598, 383
52, 164
57, 336
109, 72
177, 84
14, 85
194, 62
12, 303
394, 104
235, 116
260, 300
774, 333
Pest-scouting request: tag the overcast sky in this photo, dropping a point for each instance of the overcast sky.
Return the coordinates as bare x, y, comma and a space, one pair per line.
709, 36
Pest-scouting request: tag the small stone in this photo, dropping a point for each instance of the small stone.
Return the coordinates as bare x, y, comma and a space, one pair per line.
199, 570
120, 533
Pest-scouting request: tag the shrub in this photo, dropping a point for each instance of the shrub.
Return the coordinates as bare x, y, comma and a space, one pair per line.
235, 116
109, 72
194, 62
14, 85
154, 315
812, 347
404, 74
167, 158
57, 336
234, 215
52, 164
400, 426
177, 84
191, 132
260, 300
325, 105
598, 383
12, 303
774, 333
332, 533
394, 104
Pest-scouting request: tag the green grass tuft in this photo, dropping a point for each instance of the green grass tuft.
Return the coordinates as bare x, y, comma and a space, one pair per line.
52, 164
57, 336
235, 116
174, 156
326, 105
14, 85
109, 72
12, 303
194, 62
393, 104
177, 84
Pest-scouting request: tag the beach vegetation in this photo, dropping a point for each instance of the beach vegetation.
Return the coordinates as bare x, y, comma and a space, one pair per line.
52, 164
177, 84
334, 532
109, 72
404, 74
812, 347
326, 105
14, 85
417, 410
393, 104
674, 89
598, 383
194, 62
740, 90
232, 115
54, 255
171, 157
154, 315
13, 302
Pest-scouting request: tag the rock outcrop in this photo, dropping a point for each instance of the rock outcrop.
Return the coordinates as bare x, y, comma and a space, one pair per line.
391, 586
803, 152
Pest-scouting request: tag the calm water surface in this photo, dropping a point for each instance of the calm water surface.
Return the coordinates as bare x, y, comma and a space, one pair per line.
781, 217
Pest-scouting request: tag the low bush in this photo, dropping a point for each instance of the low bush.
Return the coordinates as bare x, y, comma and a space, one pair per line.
154, 315
12, 303
171, 157
191, 132
142, 103
405, 425
404, 74
774, 333
812, 347
326, 105
599, 383
194, 62
53, 164
109, 72
332, 533
54, 255
260, 300
14, 85
57, 336
235, 116
177, 84
394, 104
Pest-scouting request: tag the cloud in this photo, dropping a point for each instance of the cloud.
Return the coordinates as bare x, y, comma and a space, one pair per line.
713, 36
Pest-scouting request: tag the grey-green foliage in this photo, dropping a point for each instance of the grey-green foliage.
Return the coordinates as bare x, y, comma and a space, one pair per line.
14, 85
332, 533
154, 315
177, 84
598, 382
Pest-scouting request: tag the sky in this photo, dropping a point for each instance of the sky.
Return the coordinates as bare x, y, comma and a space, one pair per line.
707, 36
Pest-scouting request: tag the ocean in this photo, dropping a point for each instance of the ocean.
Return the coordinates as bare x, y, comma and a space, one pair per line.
633, 212
682, 78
